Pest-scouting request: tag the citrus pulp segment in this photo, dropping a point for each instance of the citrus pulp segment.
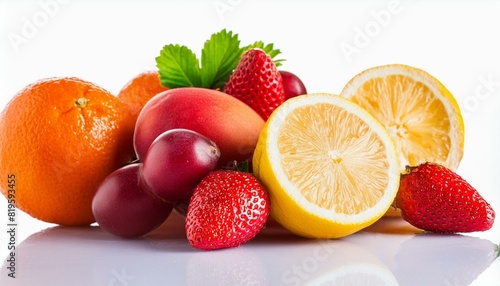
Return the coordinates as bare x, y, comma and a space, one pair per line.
421, 115
330, 167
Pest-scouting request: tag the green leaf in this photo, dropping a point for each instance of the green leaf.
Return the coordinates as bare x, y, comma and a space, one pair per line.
268, 49
243, 166
219, 58
178, 66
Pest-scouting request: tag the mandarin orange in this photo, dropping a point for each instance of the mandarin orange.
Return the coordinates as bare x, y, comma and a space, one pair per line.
60, 137
140, 90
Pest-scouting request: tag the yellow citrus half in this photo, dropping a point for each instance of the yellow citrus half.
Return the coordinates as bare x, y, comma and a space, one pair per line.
330, 167
420, 114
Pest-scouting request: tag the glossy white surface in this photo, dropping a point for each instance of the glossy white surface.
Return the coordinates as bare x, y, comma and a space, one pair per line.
109, 42
388, 253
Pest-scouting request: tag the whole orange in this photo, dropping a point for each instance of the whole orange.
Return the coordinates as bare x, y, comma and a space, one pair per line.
59, 138
140, 90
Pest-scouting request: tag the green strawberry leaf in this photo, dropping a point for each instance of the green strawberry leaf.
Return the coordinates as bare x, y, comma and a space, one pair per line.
178, 66
243, 166
268, 49
219, 57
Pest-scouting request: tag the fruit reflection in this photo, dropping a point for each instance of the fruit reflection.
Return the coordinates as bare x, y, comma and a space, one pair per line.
431, 259
90, 256
418, 258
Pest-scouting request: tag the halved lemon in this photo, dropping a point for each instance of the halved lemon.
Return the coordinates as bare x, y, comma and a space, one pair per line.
421, 115
330, 167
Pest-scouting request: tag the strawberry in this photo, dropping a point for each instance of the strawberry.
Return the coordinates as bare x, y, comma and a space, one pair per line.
257, 82
434, 198
227, 208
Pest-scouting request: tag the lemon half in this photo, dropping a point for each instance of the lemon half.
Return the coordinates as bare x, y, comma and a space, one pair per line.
330, 167
420, 113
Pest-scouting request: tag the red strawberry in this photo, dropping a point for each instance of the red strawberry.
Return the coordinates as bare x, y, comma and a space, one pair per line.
227, 208
257, 82
434, 198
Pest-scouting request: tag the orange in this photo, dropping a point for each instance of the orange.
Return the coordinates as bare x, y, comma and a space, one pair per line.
60, 138
140, 90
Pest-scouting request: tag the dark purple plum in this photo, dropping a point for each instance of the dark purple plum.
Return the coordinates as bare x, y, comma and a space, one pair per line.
177, 161
293, 84
124, 206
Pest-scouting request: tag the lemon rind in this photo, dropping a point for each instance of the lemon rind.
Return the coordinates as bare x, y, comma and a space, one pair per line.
288, 206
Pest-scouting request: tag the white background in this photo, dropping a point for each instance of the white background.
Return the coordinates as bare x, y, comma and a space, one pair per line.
109, 42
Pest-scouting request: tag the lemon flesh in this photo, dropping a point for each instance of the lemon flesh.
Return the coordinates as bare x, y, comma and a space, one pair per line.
421, 115
330, 167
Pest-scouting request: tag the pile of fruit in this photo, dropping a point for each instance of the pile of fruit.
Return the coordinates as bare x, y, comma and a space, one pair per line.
229, 140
